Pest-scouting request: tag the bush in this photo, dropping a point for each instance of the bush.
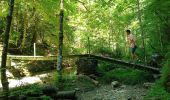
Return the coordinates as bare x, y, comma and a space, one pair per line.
44, 97
161, 88
105, 67
23, 90
126, 76
166, 71
157, 92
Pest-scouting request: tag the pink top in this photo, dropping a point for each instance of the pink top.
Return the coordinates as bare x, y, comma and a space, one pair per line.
131, 40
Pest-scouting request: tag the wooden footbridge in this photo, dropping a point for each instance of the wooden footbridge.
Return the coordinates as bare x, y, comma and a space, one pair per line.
108, 59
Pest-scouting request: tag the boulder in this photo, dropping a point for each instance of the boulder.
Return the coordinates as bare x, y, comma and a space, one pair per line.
49, 90
147, 85
86, 65
115, 84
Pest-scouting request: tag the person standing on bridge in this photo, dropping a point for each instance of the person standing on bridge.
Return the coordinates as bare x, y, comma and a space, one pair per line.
132, 44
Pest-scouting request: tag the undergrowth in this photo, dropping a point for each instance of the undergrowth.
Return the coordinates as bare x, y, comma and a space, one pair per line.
23, 90
161, 89
157, 92
126, 76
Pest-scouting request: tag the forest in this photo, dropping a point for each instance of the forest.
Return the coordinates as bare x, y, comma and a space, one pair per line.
85, 49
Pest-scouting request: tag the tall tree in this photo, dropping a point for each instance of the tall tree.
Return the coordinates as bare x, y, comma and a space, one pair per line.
24, 30
141, 28
60, 46
4, 79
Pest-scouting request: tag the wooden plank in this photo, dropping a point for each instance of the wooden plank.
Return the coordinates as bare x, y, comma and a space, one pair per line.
16, 57
132, 65
139, 66
53, 57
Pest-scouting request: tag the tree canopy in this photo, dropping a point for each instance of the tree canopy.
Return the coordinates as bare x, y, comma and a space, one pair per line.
89, 26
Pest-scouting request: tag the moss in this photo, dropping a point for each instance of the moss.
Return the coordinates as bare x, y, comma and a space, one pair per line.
23, 90
38, 66
44, 97
161, 88
105, 67
158, 92
126, 76
166, 71
70, 82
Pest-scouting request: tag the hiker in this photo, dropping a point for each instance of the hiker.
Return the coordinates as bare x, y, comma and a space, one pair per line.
132, 44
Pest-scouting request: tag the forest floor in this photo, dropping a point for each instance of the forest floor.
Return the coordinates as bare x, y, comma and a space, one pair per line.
87, 90
106, 92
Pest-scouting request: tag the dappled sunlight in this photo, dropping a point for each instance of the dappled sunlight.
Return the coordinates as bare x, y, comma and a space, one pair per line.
25, 81
82, 45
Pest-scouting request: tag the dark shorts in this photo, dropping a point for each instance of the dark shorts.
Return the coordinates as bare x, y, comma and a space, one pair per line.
132, 50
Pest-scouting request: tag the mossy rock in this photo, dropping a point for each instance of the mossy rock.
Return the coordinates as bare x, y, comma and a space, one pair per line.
39, 66
86, 65
126, 76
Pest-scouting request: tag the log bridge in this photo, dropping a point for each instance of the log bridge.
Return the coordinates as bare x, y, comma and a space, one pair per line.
102, 58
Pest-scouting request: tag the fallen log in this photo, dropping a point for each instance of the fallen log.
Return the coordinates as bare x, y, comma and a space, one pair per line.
81, 76
53, 93
66, 95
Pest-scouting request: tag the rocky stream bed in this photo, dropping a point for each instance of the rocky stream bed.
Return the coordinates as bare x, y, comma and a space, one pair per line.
107, 92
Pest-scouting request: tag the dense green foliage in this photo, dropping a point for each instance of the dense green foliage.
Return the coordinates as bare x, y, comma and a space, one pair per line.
23, 90
124, 75
166, 70
113, 72
158, 92
29, 90
161, 87
93, 26
89, 26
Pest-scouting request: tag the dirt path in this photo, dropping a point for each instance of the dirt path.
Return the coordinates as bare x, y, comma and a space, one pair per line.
106, 92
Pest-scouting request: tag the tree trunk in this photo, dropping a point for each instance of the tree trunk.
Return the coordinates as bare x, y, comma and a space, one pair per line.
34, 36
109, 35
88, 47
141, 29
4, 79
60, 46
160, 38
17, 8
24, 30
19, 41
